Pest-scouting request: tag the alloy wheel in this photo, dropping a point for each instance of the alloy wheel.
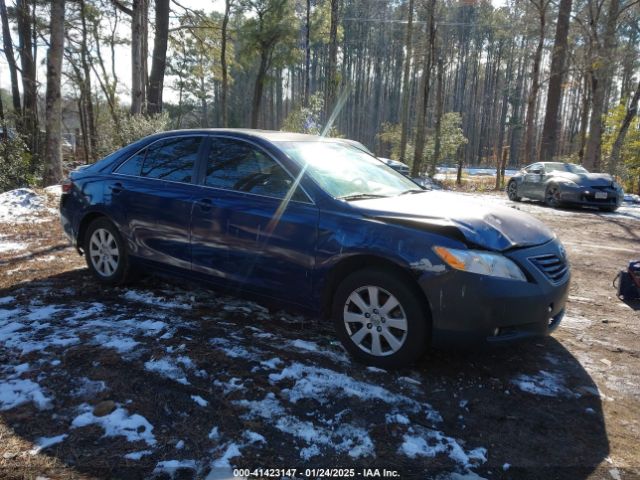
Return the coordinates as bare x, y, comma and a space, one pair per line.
375, 321
552, 196
103, 252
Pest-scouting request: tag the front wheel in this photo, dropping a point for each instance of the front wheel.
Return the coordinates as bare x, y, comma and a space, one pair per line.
380, 318
512, 191
552, 196
105, 253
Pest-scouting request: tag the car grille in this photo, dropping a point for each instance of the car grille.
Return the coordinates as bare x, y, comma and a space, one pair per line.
551, 265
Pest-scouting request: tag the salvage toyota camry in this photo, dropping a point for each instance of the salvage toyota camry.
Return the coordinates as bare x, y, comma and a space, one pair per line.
320, 225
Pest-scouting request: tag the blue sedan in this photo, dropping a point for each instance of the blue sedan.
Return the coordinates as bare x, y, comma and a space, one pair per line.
320, 225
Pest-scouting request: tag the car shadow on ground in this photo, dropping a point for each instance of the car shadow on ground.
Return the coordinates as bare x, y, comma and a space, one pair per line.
201, 381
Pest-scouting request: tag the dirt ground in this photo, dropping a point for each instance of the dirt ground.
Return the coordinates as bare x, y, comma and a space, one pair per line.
193, 383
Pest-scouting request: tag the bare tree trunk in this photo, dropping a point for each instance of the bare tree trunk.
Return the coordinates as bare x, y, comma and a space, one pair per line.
28, 71
601, 74
138, 55
307, 60
632, 111
439, 108
424, 86
159, 58
405, 84
529, 140
332, 63
584, 115
91, 145
53, 114
258, 89
554, 96
11, 60
223, 63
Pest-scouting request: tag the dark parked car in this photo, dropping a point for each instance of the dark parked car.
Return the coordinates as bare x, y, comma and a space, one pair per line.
319, 225
428, 183
400, 167
559, 184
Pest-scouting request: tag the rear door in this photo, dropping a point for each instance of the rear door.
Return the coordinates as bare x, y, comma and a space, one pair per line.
153, 192
252, 226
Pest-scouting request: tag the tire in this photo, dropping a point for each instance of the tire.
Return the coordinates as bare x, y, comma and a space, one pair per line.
552, 196
105, 253
512, 191
366, 331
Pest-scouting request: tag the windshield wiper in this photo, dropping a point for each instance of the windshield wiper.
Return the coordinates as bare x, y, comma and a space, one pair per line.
413, 190
361, 196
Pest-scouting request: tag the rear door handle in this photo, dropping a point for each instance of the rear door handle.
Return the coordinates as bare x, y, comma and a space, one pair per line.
116, 188
205, 204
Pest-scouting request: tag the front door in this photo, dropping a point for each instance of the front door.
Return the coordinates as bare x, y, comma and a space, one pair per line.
251, 227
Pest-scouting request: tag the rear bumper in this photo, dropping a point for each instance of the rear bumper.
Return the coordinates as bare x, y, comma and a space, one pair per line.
66, 218
474, 310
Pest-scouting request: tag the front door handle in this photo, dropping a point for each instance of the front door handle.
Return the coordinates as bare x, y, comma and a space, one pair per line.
205, 204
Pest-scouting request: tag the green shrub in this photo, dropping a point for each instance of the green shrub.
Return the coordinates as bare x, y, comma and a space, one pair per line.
130, 128
15, 163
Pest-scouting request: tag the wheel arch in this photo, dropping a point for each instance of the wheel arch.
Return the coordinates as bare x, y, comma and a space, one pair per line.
353, 263
87, 219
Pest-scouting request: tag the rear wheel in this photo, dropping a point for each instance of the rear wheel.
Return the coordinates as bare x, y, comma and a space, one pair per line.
380, 319
512, 191
105, 253
552, 196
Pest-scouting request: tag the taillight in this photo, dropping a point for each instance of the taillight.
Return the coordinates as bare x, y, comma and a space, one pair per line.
67, 186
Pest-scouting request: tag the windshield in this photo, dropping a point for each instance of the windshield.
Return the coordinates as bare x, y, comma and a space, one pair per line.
563, 167
347, 172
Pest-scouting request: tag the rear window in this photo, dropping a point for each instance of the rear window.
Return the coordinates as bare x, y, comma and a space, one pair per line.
172, 159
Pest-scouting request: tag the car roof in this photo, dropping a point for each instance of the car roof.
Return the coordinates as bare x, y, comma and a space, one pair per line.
269, 135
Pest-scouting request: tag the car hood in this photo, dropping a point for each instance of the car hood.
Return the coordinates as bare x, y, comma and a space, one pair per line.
587, 179
492, 227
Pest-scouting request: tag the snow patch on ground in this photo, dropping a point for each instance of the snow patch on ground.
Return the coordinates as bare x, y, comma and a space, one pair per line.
137, 455
151, 299
199, 400
22, 205
118, 423
172, 368
322, 385
16, 391
171, 467
45, 442
231, 451
429, 443
543, 383
8, 246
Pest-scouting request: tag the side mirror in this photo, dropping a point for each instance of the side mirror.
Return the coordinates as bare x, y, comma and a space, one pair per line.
537, 171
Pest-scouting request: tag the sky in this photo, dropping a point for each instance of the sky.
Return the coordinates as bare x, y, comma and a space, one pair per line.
123, 54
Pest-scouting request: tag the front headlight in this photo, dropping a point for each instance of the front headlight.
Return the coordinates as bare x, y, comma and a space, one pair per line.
480, 262
568, 183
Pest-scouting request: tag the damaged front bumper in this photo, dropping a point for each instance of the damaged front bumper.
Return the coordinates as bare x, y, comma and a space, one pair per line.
470, 310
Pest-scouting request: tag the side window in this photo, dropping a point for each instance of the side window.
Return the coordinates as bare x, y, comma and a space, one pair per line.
133, 166
236, 165
172, 159
535, 166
